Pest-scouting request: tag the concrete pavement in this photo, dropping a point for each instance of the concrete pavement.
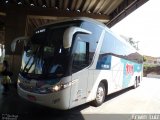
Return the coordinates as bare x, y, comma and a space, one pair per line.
143, 100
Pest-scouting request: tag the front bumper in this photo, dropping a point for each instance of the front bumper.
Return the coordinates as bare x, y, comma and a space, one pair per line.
58, 100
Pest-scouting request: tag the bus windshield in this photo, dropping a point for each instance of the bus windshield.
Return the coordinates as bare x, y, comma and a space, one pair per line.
44, 56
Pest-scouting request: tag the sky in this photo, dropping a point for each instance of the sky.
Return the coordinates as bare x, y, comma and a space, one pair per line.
143, 25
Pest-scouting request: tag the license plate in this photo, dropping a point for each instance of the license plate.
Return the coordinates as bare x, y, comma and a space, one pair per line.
31, 98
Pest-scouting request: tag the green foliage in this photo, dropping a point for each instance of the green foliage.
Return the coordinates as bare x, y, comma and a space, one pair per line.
144, 59
150, 68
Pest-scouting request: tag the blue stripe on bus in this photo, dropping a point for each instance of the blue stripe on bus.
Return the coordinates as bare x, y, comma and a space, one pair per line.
104, 62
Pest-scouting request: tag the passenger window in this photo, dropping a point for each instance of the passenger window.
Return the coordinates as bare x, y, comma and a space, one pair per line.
91, 38
80, 56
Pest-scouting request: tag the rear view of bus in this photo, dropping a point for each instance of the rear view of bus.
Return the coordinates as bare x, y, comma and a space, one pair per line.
69, 63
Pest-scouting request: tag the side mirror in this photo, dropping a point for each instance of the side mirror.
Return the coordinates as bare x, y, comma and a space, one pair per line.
68, 35
18, 39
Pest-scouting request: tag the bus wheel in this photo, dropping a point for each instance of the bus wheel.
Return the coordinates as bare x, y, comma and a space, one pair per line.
100, 95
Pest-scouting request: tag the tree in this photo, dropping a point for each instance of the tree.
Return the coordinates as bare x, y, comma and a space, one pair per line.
131, 41
144, 59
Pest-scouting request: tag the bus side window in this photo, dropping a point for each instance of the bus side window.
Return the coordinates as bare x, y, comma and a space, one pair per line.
80, 56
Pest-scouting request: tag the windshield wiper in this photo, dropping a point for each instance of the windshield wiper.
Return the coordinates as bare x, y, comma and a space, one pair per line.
27, 64
25, 68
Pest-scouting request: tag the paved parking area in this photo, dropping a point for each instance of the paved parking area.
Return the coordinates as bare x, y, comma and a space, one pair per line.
143, 100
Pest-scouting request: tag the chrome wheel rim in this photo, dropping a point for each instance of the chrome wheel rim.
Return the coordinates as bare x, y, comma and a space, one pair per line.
100, 94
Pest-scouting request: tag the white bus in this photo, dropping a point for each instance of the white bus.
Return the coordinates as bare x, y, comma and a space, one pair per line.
75, 61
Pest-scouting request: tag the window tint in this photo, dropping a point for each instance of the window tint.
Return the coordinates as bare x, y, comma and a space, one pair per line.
104, 62
113, 46
108, 45
80, 56
91, 38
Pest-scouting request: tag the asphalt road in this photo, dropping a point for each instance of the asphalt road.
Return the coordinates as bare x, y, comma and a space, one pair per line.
127, 104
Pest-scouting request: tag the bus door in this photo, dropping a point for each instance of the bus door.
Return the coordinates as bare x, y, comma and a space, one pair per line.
79, 73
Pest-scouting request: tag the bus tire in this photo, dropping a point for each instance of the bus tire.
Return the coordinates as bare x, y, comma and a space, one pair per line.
100, 95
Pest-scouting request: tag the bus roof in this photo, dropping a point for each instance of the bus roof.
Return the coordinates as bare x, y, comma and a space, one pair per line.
77, 18
92, 21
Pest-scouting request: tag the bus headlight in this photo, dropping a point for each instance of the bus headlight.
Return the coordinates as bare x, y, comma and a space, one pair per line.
56, 88
59, 87
18, 81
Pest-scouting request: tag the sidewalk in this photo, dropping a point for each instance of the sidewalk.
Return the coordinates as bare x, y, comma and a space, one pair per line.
153, 76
